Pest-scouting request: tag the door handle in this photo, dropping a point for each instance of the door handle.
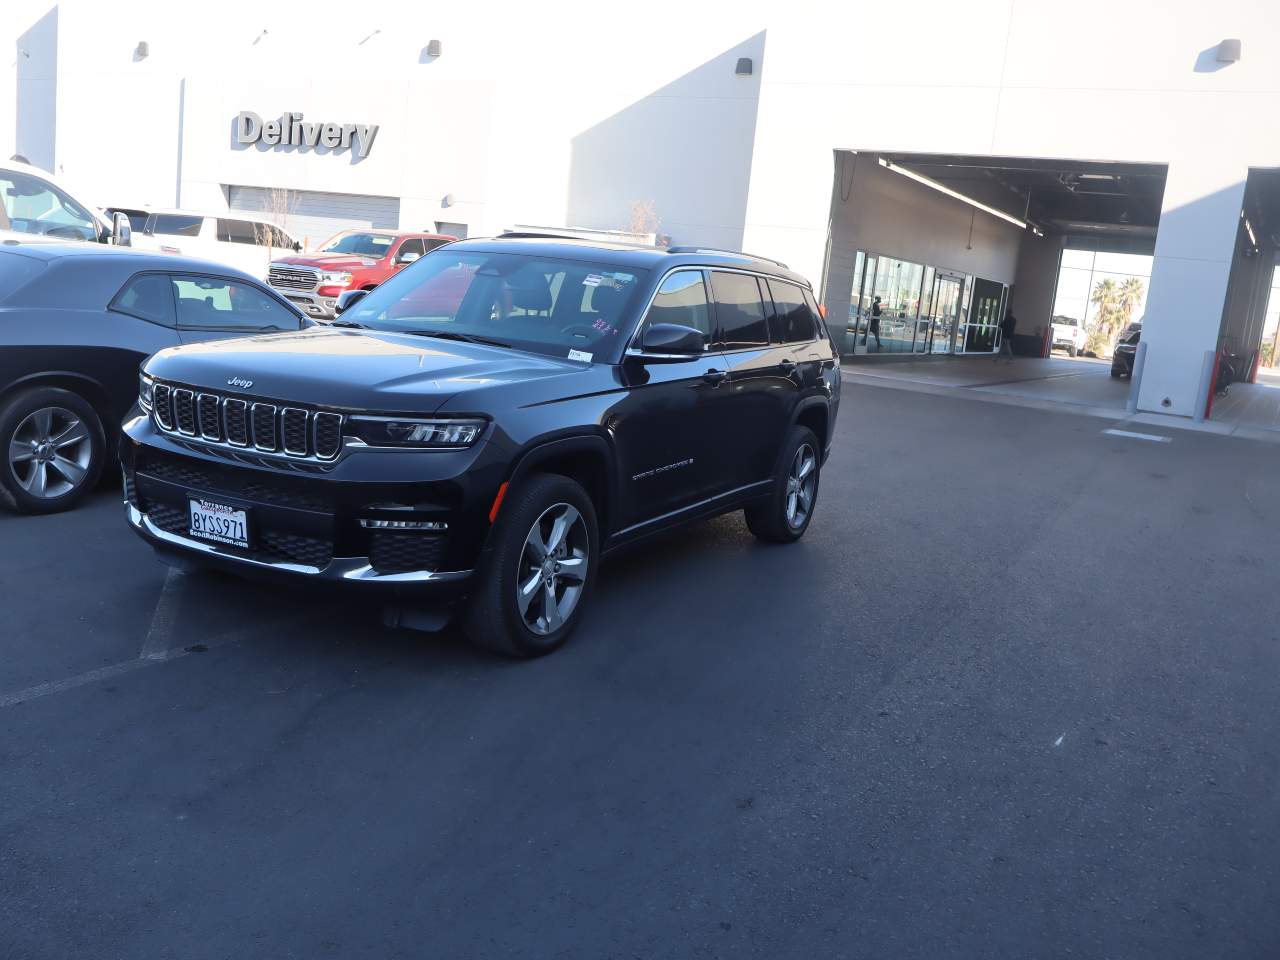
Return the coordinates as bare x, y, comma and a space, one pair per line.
714, 377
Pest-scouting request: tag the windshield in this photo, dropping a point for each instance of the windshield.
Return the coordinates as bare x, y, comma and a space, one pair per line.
562, 308
360, 244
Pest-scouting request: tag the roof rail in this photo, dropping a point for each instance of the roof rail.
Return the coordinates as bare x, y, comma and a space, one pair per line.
529, 235
728, 253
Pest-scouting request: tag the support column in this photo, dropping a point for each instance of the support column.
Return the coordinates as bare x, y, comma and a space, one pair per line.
1194, 245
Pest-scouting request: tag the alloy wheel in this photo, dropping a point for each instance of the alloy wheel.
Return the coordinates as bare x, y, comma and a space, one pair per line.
50, 452
802, 483
552, 569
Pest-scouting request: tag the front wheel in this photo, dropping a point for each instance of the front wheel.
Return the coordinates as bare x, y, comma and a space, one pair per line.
784, 516
534, 584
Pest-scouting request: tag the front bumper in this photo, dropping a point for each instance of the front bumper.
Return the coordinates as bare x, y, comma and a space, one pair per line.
305, 520
310, 303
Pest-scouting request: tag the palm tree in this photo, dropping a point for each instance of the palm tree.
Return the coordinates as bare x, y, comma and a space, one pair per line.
1106, 297
1131, 293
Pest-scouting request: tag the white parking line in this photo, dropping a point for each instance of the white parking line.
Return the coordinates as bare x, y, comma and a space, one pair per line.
1153, 437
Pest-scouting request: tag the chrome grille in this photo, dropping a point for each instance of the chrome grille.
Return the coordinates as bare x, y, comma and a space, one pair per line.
328, 435
293, 278
184, 411
293, 430
236, 413
162, 401
212, 417
264, 426
210, 421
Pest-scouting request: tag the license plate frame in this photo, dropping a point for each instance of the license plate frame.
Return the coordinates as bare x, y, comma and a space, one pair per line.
220, 523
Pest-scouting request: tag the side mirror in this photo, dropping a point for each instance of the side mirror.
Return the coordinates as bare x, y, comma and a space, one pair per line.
672, 341
297, 246
408, 256
346, 299
121, 230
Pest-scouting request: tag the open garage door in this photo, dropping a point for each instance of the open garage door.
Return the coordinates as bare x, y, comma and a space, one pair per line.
312, 216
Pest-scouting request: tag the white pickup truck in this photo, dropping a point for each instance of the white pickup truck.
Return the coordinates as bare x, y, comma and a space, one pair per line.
1068, 335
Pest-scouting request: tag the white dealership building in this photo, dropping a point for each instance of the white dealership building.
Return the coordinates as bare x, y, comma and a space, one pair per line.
939, 155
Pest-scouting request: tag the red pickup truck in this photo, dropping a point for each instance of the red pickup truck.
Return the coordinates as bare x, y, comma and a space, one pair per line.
352, 260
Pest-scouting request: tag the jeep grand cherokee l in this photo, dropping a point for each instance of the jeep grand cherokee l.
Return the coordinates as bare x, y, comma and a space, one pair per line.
477, 431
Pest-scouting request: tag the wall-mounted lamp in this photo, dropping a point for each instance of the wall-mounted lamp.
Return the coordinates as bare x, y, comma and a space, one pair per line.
434, 48
142, 50
1229, 51
744, 67
446, 200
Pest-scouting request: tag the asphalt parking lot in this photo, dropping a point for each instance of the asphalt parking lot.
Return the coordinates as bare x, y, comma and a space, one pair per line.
1015, 694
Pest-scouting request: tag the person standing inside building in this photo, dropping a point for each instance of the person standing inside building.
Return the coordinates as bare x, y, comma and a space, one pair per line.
1007, 326
873, 327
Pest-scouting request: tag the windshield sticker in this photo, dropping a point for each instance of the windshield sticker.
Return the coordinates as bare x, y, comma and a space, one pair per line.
580, 355
592, 280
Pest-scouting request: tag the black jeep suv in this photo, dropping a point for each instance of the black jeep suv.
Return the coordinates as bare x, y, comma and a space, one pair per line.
489, 422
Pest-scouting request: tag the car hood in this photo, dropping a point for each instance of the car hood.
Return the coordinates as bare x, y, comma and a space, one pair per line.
328, 261
353, 369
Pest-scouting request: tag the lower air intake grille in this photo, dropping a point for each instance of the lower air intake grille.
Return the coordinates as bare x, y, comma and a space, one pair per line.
402, 552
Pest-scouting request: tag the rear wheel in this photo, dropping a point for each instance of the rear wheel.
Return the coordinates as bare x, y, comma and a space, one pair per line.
535, 583
1072, 351
53, 448
784, 516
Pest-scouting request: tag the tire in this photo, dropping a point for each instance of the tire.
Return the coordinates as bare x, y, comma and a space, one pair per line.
774, 519
1071, 352
52, 450
1115, 374
494, 616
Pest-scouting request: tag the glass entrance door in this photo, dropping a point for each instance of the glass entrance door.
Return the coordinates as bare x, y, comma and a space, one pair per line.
945, 313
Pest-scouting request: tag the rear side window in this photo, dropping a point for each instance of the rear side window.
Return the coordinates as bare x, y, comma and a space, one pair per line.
16, 270
431, 243
791, 321
149, 296
241, 231
174, 225
739, 310
682, 299
213, 303
412, 245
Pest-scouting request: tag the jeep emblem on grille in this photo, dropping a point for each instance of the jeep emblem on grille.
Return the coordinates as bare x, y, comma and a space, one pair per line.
240, 382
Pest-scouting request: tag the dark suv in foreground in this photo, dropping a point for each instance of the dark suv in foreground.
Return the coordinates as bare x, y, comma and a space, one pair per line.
487, 423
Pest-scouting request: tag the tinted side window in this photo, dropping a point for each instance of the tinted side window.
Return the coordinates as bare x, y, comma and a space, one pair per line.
682, 299
739, 310
412, 245
430, 245
174, 224
241, 231
210, 303
791, 321
149, 296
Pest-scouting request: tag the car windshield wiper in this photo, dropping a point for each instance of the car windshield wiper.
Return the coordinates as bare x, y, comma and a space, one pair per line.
460, 337
347, 323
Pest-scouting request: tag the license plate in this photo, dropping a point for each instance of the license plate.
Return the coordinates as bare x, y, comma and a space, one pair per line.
219, 523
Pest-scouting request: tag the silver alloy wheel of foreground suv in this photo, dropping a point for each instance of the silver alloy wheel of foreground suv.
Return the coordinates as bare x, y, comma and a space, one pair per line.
552, 568
801, 482
49, 452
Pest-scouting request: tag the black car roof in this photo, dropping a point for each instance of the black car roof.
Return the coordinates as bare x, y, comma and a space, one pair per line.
128, 258
626, 255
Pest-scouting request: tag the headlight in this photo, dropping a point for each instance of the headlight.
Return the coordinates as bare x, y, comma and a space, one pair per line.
146, 386
393, 432
337, 277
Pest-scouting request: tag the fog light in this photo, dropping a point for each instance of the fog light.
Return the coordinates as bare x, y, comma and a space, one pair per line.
404, 525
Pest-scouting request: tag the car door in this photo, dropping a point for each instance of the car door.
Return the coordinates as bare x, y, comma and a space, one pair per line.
142, 321
216, 308
664, 428
754, 412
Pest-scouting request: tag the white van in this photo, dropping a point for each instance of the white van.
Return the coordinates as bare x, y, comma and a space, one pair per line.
35, 206
239, 240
